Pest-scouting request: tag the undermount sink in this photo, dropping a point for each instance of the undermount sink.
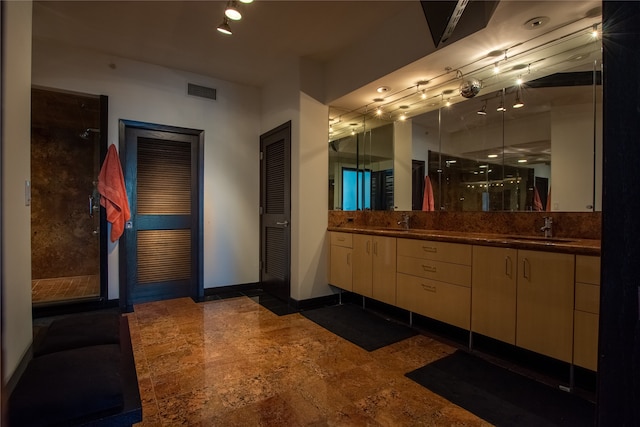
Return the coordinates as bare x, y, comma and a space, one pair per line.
542, 239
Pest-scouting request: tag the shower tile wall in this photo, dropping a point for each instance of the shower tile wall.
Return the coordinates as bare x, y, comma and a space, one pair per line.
64, 166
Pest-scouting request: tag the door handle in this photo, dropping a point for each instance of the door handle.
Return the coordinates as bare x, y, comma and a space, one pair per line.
283, 223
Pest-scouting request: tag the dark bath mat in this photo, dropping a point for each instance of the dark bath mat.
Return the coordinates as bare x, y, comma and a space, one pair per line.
500, 396
361, 327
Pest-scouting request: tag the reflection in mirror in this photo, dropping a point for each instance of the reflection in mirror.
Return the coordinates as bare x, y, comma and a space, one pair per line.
361, 168
529, 145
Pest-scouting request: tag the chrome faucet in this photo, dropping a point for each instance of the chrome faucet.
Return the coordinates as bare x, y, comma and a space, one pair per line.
404, 221
547, 228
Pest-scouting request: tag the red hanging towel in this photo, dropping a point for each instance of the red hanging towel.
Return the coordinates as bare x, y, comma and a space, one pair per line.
428, 203
537, 203
113, 193
548, 207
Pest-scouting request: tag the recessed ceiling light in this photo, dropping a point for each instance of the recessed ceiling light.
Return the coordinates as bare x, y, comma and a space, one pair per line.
422, 82
378, 99
447, 92
519, 67
404, 107
537, 22
495, 53
383, 89
354, 124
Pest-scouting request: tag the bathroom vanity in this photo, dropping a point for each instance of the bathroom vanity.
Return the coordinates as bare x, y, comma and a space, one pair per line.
537, 293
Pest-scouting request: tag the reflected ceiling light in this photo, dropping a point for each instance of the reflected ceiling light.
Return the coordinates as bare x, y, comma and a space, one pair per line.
522, 160
594, 33
232, 11
501, 107
492, 156
224, 28
448, 103
378, 111
423, 95
537, 22
518, 103
383, 89
483, 110
496, 68
246, 1
403, 117
519, 81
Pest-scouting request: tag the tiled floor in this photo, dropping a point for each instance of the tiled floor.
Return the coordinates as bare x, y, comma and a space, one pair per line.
65, 288
232, 362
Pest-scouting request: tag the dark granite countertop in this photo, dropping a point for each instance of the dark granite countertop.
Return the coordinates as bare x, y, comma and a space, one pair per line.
570, 245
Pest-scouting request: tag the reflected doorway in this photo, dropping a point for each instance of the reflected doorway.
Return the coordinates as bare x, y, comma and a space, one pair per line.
68, 245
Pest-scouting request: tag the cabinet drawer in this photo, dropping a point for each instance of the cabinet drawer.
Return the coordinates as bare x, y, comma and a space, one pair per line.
342, 239
435, 270
585, 340
588, 269
441, 301
587, 298
438, 251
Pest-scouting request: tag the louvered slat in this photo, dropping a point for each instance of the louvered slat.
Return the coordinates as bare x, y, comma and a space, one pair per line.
276, 253
164, 177
274, 178
163, 255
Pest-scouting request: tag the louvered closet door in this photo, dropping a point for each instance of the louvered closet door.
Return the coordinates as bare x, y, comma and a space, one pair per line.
275, 199
162, 244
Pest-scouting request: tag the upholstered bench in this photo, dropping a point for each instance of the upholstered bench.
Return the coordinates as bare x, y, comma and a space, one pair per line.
82, 374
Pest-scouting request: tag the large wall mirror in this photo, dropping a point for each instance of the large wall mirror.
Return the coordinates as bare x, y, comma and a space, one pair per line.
530, 139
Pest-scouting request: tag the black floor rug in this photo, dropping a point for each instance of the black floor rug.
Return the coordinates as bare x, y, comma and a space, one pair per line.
500, 396
361, 327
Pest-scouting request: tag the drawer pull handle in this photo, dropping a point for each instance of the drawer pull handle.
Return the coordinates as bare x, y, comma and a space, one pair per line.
429, 268
429, 249
368, 247
428, 288
508, 270
526, 269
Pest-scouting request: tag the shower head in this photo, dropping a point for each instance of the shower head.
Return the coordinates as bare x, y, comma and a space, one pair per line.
87, 132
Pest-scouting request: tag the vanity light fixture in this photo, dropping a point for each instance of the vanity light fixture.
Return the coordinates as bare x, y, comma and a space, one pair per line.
483, 110
448, 103
224, 28
522, 160
379, 111
492, 156
232, 12
595, 33
519, 81
496, 68
246, 1
501, 107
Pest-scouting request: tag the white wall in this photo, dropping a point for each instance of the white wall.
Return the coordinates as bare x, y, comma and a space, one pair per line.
231, 124
284, 100
402, 169
16, 160
572, 154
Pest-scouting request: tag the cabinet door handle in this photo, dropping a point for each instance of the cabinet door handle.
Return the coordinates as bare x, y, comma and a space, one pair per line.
375, 248
428, 288
508, 268
368, 246
526, 272
429, 268
430, 249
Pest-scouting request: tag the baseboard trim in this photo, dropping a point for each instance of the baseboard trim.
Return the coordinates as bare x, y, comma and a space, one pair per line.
317, 302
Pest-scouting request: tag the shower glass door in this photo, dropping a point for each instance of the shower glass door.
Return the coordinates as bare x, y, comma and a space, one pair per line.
66, 238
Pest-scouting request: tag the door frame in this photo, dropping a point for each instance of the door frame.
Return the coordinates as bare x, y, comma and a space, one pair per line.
285, 127
198, 286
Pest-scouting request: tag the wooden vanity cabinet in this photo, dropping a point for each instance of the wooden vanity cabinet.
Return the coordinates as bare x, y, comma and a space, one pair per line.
586, 314
493, 293
544, 308
374, 267
434, 280
341, 266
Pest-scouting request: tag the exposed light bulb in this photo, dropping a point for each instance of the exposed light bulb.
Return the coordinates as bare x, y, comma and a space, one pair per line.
519, 81
378, 111
403, 117
424, 94
496, 68
448, 103
232, 12
246, 1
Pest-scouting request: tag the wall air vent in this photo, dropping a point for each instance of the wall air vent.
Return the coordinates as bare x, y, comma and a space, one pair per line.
201, 91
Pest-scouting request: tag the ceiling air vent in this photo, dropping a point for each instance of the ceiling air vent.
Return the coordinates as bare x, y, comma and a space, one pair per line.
201, 91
